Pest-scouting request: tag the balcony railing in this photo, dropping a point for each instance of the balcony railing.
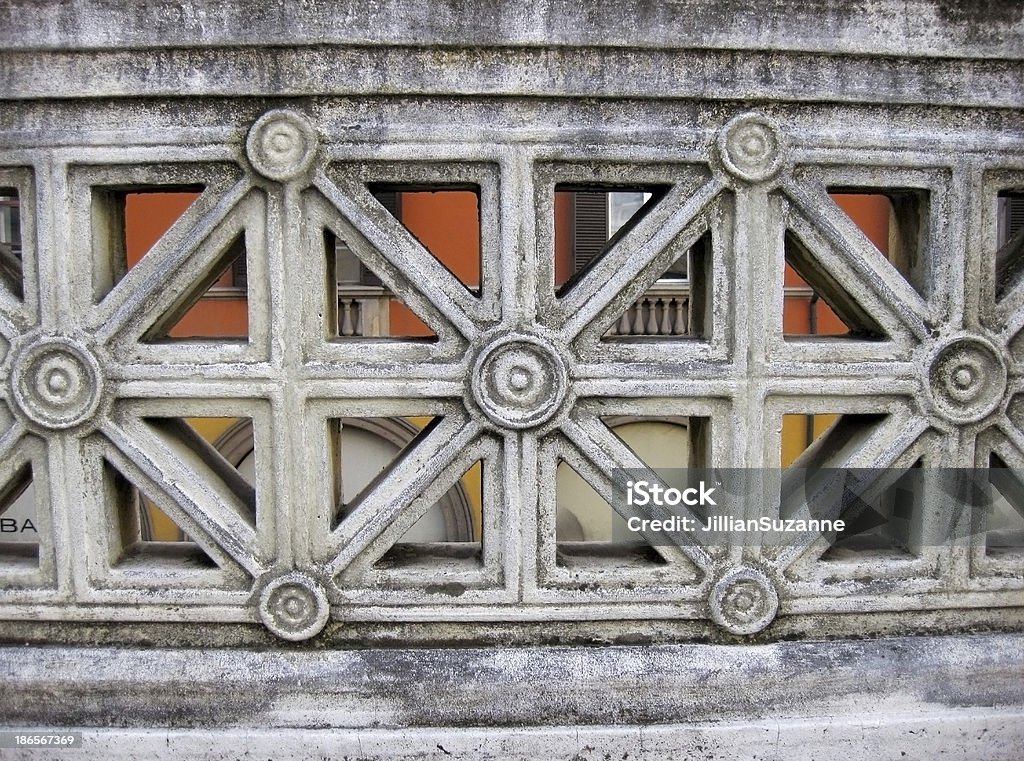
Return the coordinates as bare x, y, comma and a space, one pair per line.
662, 311
363, 311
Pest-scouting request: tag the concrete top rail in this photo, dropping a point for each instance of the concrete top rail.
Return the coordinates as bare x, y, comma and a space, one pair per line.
961, 55
914, 28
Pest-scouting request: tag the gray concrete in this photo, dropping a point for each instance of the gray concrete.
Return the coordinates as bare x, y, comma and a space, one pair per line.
503, 687
918, 698
970, 735
886, 27
747, 113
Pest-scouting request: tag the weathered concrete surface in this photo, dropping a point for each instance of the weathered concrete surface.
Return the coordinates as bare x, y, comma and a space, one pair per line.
968, 28
748, 112
917, 698
661, 75
974, 735
505, 687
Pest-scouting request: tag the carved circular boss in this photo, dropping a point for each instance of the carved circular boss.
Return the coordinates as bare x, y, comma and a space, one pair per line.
519, 381
281, 145
294, 607
966, 379
743, 601
751, 147
56, 383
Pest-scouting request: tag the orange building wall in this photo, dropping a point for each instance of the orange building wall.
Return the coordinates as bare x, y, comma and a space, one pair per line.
871, 215
147, 217
563, 237
447, 223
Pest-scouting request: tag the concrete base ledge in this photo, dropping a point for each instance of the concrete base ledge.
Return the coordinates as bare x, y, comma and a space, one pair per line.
927, 697
975, 735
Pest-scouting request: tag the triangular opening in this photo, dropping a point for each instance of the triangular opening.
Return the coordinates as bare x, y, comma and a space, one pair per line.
664, 443
156, 525
1009, 258
882, 524
143, 534
675, 448
1005, 521
445, 219
677, 305
827, 441
816, 304
190, 439
799, 432
583, 515
449, 532
19, 521
590, 219
359, 305
364, 450
216, 307
11, 269
896, 221
877, 505
588, 529
127, 223
233, 437
456, 516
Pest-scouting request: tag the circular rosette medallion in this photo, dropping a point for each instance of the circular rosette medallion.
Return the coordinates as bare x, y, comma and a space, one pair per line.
56, 383
743, 601
294, 607
519, 381
281, 145
751, 147
966, 379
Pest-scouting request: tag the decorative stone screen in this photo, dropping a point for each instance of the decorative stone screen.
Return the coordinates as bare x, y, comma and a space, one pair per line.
520, 377
743, 139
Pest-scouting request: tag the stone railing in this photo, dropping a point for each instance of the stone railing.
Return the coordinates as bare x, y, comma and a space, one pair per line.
661, 311
287, 118
363, 311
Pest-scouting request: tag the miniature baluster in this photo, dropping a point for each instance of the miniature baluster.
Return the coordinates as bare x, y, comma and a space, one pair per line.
347, 328
357, 317
638, 318
679, 321
652, 316
666, 317
624, 324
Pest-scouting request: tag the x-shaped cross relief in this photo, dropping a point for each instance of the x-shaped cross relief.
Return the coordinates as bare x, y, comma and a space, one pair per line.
520, 371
